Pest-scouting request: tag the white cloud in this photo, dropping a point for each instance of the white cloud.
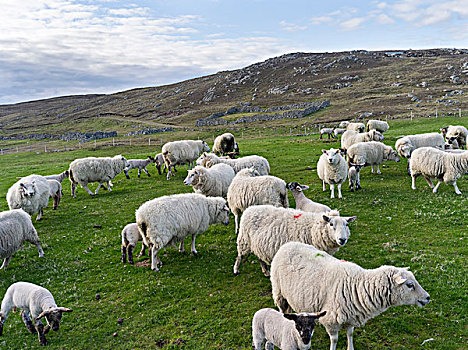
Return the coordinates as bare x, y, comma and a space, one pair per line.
291, 27
384, 19
320, 20
353, 23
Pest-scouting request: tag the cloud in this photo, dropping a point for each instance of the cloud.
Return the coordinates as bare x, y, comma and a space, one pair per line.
291, 27
353, 23
320, 20
384, 19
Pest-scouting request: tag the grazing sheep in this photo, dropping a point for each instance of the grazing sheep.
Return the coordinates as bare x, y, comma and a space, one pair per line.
371, 154
35, 302
447, 167
353, 176
130, 237
451, 143
265, 228
169, 219
332, 169
327, 131
16, 228
141, 164
338, 131
182, 152
55, 192
359, 127
31, 194
407, 144
247, 188
302, 202
286, 331
458, 132
378, 125
344, 124
92, 169
351, 137
223, 144
211, 182
307, 279
257, 162
59, 177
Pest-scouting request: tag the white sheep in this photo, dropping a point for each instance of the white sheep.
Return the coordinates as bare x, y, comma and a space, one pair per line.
211, 182
359, 127
286, 331
430, 162
307, 279
59, 177
169, 219
332, 169
182, 152
35, 303
257, 162
344, 124
338, 131
302, 202
353, 176
31, 193
55, 191
350, 137
224, 144
327, 131
371, 154
265, 228
16, 228
407, 144
92, 169
130, 237
141, 164
247, 188
378, 125
458, 132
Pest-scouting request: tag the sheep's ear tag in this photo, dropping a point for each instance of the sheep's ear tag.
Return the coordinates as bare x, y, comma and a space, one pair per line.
399, 280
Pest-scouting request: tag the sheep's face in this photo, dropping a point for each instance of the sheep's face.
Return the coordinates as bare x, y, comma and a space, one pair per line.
296, 186
376, 136
223, 215
393, 156
28, 189
407, 291
236, 147
204, 160
405, 151
305, 324
192, 177
338, 228
53, 316
333, 155
206, 148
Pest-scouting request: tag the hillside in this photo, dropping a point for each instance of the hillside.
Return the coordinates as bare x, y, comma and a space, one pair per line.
357, 83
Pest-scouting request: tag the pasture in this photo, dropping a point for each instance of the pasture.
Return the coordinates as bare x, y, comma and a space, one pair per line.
196, 302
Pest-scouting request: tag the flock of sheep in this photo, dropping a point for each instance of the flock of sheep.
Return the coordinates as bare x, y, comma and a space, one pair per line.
298, 244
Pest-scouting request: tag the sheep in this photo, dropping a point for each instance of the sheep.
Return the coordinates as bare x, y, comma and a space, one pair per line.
92, 169
35, 303
378, 125
332, 169
141, 164
407, 144
451, 143
307, 279
344, 124
371, 154
259, 163
353, 176
16, 228
359, 127
223, 144
248, 188
182, 152
59, 177
170, 219
130, 237
31, 194
302, 202
286, 331
327, 131
338, 131
351, 137
265, 228
433, 163
211, 182
55, 191
458, 131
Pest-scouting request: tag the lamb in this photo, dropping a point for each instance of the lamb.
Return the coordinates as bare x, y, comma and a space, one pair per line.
302, 202
31, 194
447, 167
359, 127
344, 124
378, 125
353, 176
59, 177
35, 303
452, 143
55, 191
327, 131
130, 237
307, 279
264, 229
16, 228
351, 137
371, 154
257, 162
247, 188
211, 182
223, 144
458, 131
182, 152
170, 219
286, 331
338, 131
92, 169
407, 144
332, 169
141, 164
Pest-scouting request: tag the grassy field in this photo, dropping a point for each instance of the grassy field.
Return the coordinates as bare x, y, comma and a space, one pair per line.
195, 302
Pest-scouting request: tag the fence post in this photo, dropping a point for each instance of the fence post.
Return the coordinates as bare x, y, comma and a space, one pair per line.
113, 142
411, 115
149, 141
2, 151
45, 148
161, 141
459, 112
290, 132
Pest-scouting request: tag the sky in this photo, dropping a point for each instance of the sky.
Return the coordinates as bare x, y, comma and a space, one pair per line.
54, 48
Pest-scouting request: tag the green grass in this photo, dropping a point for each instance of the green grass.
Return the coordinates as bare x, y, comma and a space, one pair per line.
195, 302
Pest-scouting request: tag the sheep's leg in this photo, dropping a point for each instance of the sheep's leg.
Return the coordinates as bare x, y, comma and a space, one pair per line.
236, 221
324, 187
159, 168
434, 190
39, 248
3, 317
6, 261
194, 251
413, 181
269, 346
55, 203
142, 251
457, 191
146, 171
372, 169
28, 322
39, 215
169, 172
358, 181
349, 334
237, 265
85, 186
429, 182
73, 189
264, 267
378, 170
282, 304
257, 339
321, 136
109, 186
124, 253
333, 339
97, 189
155, 259
139, 172
126, 173
339, 190
181, 246
332, 190
40, 333
130, 253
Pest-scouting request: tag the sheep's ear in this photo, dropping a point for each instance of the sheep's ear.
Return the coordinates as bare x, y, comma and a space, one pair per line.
324, 151
304, 187
292, 317
326, 218
343, 151
399, 280
351, 219
64, 309
42, 314
21, 184
318, 314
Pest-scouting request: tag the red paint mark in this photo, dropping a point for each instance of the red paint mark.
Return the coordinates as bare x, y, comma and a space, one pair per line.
297, 216
343, 260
